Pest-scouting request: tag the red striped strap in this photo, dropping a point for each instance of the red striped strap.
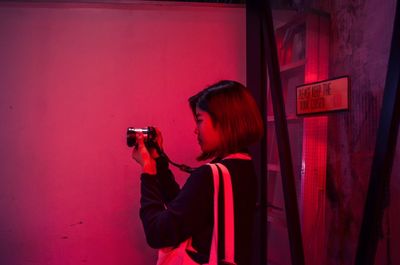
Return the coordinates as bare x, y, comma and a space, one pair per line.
229, 215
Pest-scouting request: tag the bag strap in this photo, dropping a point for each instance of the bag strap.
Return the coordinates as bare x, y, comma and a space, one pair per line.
229, 215
214, 241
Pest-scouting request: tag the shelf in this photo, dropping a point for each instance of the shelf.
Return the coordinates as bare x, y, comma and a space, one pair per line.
273, 167
293, 117
276, 217
292, 66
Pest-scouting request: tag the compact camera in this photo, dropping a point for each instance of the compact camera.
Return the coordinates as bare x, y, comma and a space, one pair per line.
149, 134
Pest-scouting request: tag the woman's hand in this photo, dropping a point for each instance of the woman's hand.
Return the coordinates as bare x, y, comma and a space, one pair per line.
143, 157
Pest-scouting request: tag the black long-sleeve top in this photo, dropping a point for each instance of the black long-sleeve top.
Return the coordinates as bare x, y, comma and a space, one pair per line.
171, 215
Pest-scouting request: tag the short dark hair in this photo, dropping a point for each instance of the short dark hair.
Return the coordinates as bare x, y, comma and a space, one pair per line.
232, 107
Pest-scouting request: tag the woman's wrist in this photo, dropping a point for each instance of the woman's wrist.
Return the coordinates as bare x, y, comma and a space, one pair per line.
149, 167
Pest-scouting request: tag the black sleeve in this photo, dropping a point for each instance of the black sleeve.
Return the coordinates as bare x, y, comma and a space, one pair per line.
166, 180
170, 225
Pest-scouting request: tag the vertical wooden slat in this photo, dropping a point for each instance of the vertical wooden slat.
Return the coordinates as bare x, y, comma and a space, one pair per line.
285, 158
256, 80
314, 158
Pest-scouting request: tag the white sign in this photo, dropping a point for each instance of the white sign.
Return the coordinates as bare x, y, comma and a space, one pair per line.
324, 96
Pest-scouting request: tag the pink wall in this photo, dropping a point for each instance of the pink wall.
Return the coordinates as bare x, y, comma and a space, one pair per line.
73, 77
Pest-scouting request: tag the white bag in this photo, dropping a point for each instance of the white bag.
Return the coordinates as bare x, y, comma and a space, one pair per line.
176, 256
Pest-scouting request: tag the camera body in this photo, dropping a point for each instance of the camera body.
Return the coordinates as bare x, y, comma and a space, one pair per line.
149, 134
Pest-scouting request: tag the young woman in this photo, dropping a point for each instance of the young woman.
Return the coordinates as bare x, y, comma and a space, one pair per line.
227, 122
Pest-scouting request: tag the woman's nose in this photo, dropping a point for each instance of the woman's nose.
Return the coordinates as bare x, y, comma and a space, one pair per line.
196, 131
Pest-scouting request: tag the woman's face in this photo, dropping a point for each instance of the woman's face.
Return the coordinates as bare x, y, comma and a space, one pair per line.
208, 136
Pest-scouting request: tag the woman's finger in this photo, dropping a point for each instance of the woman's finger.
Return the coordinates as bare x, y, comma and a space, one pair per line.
159, 138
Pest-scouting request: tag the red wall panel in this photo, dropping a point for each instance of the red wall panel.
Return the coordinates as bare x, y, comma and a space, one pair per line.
73, 77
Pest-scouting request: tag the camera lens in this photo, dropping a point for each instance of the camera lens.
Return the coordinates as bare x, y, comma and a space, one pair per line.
131, 135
